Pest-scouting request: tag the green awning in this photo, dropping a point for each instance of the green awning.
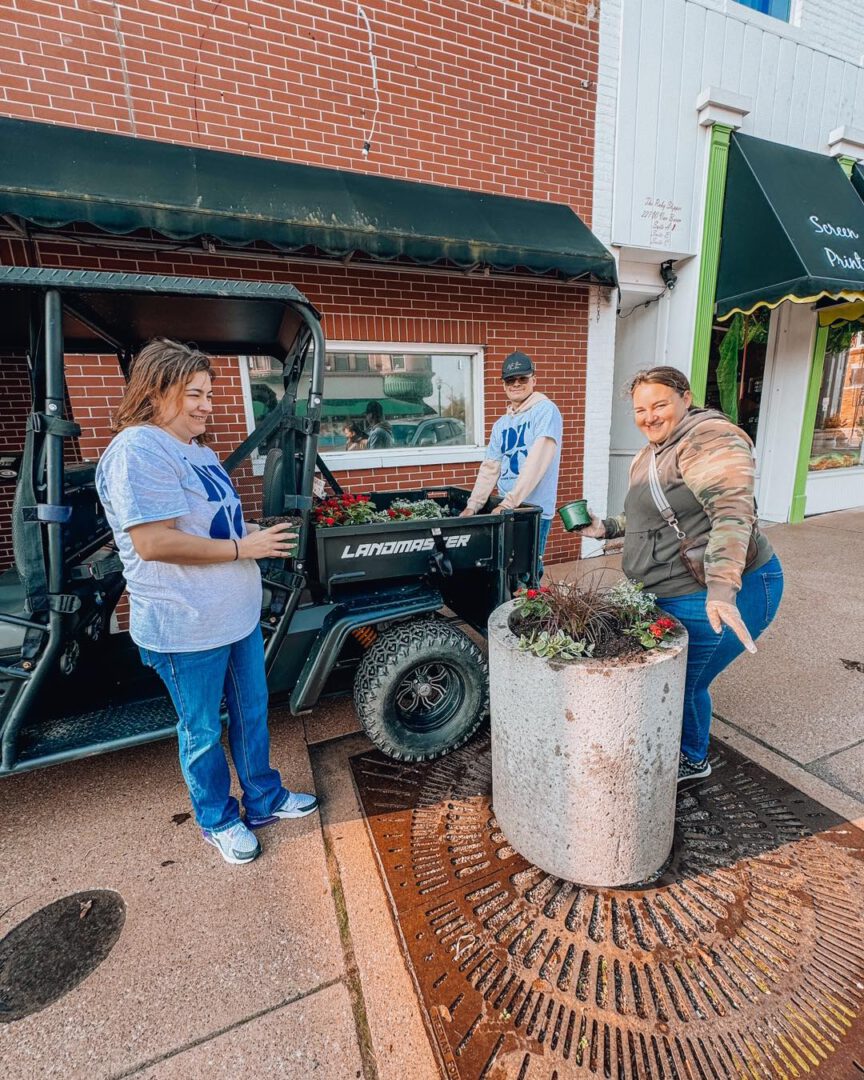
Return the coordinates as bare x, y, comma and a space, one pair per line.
53, 177
793, 229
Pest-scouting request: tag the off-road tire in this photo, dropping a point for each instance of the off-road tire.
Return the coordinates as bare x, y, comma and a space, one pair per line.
425, 645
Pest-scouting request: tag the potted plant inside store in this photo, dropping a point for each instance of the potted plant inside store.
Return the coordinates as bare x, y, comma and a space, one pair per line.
587, 690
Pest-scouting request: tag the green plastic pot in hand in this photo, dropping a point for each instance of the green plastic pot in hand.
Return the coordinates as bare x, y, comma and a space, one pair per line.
574, 515
277, 519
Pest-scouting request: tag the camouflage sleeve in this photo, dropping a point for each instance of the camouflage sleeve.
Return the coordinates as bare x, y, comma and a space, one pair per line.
716, 463
615, 526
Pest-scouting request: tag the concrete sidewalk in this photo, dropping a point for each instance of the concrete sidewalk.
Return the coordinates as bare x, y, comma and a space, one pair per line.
795, 707
292, 967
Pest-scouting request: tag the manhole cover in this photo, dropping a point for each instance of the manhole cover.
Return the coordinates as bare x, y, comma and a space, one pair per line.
745, 960
48, 954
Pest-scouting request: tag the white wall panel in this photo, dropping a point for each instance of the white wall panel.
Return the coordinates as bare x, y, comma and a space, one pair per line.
803, 81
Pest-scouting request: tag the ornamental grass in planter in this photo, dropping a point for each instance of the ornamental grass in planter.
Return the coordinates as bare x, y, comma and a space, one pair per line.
587, 690
566, 621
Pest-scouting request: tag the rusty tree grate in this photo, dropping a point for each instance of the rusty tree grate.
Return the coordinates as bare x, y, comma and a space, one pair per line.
745, 960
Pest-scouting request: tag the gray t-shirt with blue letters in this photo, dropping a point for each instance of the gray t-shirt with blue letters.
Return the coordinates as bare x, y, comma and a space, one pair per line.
513, 436
145, 475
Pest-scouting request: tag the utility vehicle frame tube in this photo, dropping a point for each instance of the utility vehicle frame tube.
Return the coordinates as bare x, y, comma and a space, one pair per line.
54, 399
304, 503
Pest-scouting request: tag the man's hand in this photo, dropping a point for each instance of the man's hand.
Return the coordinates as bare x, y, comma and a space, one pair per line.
499, 509
277, 542
468, 512
720, 613
596, 530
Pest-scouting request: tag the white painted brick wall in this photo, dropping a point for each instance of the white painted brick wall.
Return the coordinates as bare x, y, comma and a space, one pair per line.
602, 316
835, 26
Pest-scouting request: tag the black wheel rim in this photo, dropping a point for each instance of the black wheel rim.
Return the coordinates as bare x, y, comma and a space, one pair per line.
429, 696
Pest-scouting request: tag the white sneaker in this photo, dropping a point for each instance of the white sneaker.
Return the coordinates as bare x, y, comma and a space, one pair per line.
236, 844
297, 804
692, 770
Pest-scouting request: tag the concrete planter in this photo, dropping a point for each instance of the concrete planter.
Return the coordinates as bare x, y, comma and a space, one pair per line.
585, 758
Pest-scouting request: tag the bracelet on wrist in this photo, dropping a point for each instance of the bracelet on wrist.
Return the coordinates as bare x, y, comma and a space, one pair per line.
236, 550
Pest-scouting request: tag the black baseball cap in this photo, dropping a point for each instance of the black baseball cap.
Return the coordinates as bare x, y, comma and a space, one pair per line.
517, 363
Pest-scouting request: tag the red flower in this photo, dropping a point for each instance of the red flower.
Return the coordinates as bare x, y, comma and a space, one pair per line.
531, 593
329, 521
656, 631
392, 514
665, 623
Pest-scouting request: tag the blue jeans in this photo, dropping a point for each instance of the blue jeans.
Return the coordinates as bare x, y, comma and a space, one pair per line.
197, 682
545, 526
709, 653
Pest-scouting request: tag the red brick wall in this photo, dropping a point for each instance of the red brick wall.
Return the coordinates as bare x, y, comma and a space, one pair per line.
546, 319
483, 94
15, 398
487, 95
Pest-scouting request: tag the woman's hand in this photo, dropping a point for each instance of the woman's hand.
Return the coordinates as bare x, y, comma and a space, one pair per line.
596, 530
720, 613
277, 542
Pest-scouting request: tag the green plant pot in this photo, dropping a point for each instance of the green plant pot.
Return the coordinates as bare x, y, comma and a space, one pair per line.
275, 519
574, 515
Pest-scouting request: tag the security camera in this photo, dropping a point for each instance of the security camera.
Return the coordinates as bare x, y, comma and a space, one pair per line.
668, 275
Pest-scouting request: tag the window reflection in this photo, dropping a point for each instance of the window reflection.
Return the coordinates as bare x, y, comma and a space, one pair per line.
382, 400
837, 436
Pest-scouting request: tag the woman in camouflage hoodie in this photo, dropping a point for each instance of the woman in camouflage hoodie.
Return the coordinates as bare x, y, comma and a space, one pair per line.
706, 469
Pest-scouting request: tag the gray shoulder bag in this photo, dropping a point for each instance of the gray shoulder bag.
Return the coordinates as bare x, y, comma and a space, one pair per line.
692, 552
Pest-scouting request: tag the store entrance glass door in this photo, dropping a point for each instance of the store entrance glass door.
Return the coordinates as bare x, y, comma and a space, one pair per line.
736, 368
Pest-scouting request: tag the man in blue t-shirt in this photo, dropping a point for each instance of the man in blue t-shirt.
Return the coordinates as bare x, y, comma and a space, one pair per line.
524, 451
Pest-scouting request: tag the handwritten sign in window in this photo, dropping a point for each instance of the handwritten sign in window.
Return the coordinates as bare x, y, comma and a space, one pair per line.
663, 217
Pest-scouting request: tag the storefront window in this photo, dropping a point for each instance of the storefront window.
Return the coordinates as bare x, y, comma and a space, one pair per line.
395, 399
839, 427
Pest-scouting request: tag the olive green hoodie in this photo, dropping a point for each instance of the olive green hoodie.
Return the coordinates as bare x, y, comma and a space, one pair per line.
707, 473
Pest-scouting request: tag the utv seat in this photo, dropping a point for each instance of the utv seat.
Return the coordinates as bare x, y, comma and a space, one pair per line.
11, 603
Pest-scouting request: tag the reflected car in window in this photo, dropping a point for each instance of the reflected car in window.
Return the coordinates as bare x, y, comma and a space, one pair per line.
432, 431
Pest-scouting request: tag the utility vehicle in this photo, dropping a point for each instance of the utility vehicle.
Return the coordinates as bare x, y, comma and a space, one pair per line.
380, 608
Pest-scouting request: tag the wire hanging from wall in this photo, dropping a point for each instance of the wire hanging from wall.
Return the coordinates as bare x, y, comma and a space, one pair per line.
373, 63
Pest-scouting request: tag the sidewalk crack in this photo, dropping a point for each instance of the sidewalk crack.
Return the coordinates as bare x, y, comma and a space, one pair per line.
159, 1058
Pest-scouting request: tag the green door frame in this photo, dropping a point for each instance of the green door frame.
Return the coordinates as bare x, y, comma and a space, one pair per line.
718, 158
808, 425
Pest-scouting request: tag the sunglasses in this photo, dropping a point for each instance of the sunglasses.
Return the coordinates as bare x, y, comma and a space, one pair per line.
517, 380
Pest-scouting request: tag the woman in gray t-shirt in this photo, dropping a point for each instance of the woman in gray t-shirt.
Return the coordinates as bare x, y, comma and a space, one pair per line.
195, 590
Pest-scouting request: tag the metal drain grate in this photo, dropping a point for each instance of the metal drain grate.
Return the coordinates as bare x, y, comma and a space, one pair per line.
54, 950
745, 960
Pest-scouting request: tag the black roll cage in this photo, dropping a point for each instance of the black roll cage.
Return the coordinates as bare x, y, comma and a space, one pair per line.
48, 313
